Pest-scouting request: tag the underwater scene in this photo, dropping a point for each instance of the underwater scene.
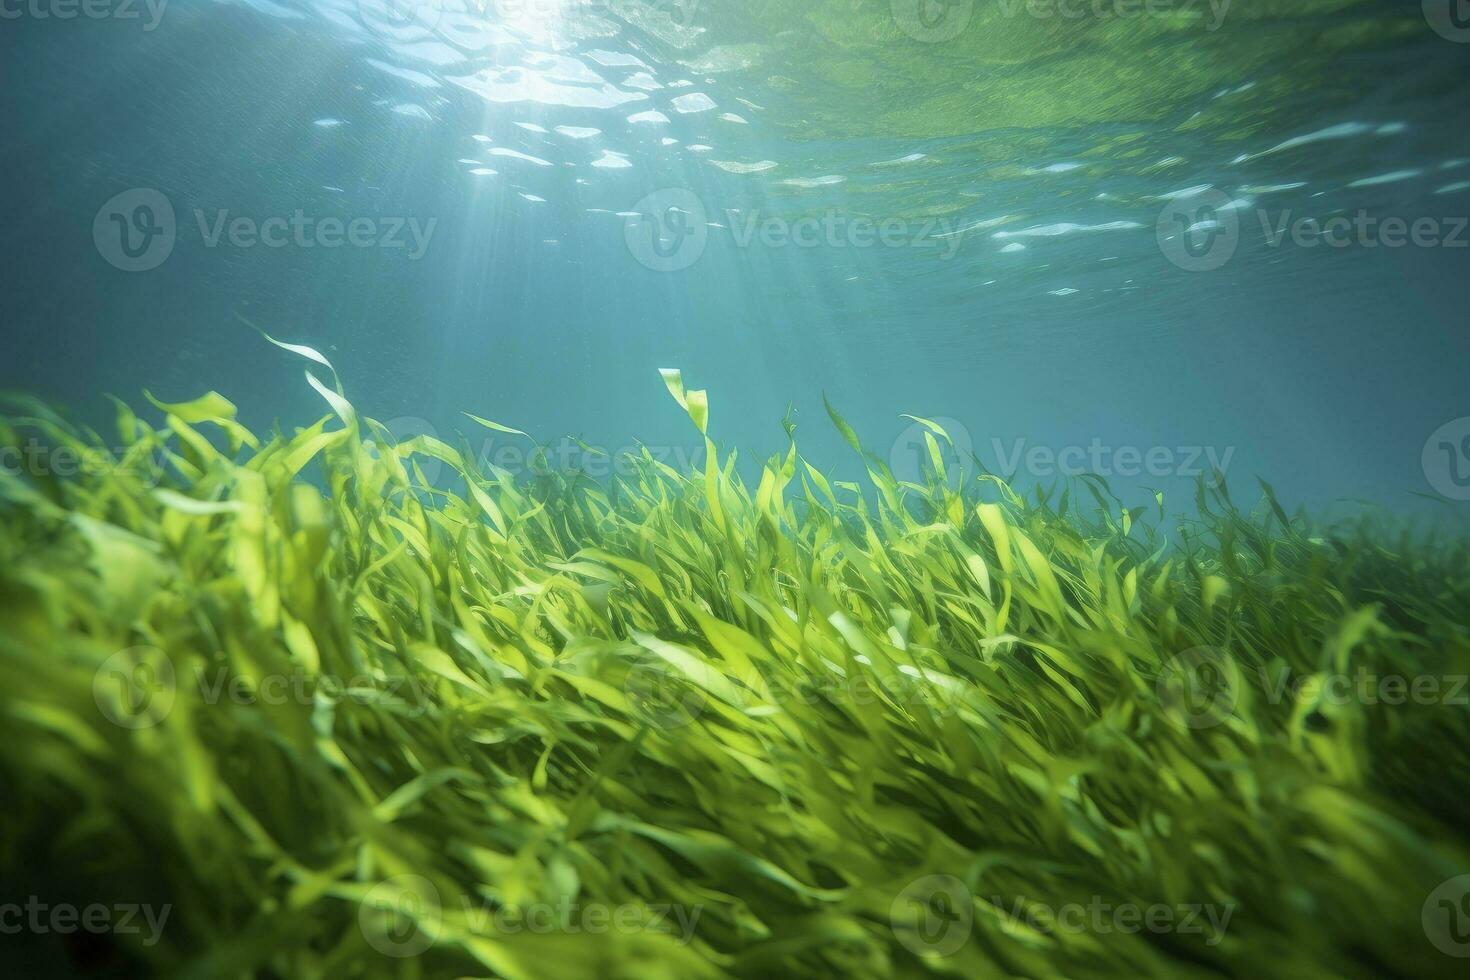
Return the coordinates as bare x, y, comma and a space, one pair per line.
735, 488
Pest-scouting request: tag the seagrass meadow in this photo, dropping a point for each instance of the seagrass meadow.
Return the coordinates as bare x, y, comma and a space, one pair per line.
319, 716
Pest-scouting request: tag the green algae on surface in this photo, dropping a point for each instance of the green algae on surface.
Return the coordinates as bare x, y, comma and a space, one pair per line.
341, 722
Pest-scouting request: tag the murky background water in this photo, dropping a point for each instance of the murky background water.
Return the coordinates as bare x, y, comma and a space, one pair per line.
1092, 236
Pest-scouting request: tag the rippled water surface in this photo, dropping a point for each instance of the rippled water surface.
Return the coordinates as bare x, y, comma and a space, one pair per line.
1087, 229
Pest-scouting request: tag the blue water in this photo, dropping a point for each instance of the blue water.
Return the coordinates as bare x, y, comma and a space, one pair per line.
1085, 244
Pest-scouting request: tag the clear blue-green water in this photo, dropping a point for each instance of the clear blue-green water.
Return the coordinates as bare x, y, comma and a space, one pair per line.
1089, 237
